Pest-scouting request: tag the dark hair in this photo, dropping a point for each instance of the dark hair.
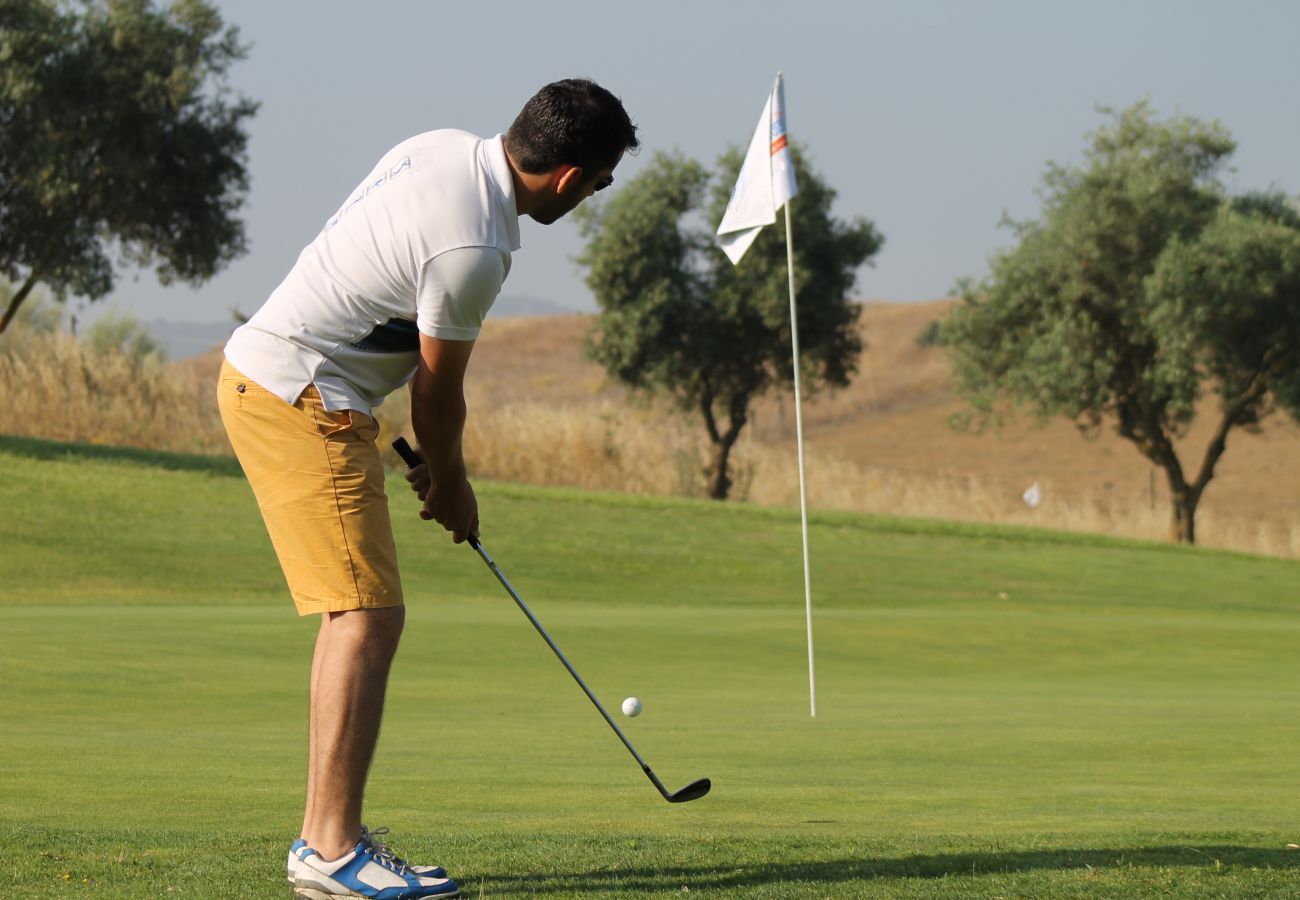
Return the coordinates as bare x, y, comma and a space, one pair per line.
575, 122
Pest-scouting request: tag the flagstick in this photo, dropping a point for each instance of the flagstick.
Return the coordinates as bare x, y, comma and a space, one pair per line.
798, 428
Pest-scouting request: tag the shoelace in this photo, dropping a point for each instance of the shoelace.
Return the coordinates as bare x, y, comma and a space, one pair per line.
381, 851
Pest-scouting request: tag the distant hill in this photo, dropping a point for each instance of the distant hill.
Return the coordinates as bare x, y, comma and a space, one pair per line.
185, 339
891, 424
182, 340
511, 305
894, 417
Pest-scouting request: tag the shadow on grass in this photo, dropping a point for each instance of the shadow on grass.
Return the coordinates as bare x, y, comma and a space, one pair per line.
842, 871
37, 448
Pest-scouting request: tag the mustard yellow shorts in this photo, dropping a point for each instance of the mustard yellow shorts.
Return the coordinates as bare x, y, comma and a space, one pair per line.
318, 480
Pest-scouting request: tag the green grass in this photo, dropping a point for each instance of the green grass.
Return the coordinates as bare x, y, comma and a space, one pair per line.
1001, 712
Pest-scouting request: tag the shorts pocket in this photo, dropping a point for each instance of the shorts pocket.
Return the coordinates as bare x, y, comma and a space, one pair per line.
239, 390
331, 423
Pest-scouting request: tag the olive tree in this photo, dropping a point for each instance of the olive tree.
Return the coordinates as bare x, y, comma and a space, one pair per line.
1140, 289
118, 135
678, 320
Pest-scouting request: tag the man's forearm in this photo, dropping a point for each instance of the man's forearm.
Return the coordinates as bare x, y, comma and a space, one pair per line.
439, 424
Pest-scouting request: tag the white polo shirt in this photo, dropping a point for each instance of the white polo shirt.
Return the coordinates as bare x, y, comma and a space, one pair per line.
421, 246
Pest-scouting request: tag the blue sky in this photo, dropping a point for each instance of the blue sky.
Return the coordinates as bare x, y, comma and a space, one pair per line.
929, 118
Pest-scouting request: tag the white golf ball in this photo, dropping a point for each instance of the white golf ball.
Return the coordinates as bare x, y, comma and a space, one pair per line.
631, 707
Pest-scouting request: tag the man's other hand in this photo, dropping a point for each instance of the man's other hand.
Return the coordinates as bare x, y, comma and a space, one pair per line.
420, 481
454, 507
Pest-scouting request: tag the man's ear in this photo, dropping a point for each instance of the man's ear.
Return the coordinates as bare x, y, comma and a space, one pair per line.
570, 178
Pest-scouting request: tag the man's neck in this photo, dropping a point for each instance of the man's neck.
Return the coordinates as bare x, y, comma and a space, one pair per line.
528, 187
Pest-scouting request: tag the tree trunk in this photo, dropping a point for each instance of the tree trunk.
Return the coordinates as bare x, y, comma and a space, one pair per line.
719, 479
17, 301
1140, 424
1182, 523
723, 441
1183, 497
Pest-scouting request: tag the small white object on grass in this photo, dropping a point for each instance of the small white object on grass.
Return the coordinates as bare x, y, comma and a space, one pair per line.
1033, 496
631, 707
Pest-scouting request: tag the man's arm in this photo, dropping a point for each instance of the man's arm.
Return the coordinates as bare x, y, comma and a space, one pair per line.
438, 419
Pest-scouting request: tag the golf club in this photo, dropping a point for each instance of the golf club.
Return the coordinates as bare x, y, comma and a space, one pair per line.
692, 791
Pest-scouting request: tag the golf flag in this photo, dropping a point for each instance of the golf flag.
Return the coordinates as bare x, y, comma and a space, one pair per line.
766, 183
766, 179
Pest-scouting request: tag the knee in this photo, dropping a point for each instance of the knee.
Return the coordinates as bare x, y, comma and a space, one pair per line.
376, 630
384, 627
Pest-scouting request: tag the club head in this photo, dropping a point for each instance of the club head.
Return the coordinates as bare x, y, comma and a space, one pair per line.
693, 791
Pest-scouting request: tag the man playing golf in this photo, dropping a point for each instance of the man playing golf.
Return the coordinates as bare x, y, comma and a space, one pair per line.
392, 291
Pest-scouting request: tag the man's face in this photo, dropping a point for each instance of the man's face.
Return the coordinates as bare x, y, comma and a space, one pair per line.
579, 188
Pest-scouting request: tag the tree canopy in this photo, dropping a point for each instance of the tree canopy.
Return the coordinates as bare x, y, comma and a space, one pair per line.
678, 320
1139, 289
118, 135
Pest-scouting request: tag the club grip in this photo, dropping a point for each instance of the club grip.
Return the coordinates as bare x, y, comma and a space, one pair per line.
405, 451
407, 454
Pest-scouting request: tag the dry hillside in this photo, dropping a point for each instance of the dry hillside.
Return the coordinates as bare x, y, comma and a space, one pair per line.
891, 425
882, 445
543, 415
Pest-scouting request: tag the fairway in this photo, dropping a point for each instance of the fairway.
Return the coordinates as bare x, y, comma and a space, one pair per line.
1001, 712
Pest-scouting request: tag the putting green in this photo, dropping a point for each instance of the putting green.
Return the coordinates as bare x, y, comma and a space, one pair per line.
1000, 711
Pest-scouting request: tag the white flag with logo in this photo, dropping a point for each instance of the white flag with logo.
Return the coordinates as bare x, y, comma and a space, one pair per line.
766, 179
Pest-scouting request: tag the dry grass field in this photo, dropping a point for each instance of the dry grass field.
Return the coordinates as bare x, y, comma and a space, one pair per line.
883, 445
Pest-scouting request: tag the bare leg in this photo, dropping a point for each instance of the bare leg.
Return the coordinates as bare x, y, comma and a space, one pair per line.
354, 651
322, 641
